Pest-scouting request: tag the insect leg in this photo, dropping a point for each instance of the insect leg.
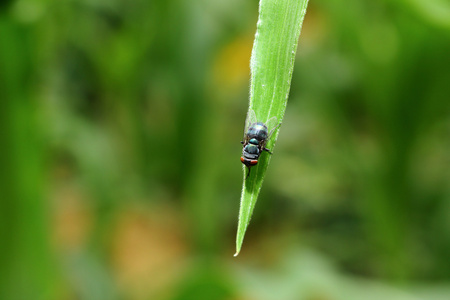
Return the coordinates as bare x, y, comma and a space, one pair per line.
268, 150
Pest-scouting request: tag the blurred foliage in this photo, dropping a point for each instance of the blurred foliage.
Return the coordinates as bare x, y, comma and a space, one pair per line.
120, 124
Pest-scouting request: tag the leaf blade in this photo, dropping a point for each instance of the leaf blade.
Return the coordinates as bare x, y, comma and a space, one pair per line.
271, 64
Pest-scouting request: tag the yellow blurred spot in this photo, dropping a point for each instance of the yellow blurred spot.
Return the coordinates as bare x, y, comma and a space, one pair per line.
72, 219
231, 69
148, 252
315, 31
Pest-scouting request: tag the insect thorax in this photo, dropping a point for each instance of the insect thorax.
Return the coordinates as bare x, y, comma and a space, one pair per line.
258, 131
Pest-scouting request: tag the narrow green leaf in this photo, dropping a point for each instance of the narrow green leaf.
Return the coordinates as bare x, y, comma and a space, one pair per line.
272, 62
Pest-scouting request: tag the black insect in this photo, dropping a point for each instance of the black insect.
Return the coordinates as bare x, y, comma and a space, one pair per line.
256, 135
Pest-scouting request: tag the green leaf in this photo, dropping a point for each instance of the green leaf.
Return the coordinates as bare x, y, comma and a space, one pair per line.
272, 62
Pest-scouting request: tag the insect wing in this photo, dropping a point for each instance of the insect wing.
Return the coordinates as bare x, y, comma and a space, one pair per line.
251, 118
272, 124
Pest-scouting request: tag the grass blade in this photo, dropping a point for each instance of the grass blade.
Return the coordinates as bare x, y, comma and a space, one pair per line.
272, 62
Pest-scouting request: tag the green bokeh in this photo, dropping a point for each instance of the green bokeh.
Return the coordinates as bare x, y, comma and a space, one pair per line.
121, 121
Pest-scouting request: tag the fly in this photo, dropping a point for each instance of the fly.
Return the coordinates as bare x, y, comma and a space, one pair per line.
256, 135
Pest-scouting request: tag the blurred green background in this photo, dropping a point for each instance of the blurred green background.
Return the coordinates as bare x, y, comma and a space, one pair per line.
120, 124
